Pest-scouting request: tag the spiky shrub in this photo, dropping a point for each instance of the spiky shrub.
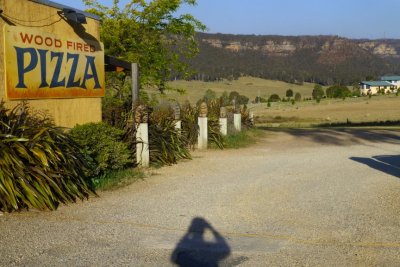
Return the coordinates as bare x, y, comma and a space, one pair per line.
166, 143
40, 165
214, 134
103, 146
190, 127
247, 122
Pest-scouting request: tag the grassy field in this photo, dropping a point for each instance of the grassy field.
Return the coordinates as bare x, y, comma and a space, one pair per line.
309, 113
301, 114
248, 86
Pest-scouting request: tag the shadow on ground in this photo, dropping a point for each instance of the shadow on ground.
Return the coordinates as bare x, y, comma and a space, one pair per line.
343, 136
202, 245
389, 164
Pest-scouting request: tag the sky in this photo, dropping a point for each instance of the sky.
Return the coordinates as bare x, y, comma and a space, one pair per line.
371, 19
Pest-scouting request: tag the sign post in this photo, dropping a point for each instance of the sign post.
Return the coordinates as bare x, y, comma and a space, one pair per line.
135, 84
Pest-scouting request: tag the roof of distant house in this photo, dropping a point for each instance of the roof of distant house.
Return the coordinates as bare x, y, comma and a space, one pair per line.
377, 83
390, 78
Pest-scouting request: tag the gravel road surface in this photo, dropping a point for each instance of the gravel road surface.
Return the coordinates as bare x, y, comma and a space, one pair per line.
298, 197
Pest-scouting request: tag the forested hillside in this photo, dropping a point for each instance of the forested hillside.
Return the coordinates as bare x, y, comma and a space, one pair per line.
322, 59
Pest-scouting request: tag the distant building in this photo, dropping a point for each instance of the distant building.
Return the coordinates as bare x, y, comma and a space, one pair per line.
392, 79
387, 84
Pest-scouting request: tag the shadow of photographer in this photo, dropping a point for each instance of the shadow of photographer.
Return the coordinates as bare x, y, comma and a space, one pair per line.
389, 164
202, 245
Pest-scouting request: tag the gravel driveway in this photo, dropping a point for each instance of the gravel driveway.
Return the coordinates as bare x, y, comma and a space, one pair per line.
298, 197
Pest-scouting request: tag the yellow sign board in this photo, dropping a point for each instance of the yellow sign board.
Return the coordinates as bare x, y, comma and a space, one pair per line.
44, 65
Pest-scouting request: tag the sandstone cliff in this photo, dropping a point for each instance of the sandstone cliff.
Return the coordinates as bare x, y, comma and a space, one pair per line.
324, 59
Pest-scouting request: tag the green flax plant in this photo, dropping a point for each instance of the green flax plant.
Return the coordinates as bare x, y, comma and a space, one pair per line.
247, 122
190, 128
214, 135
166, 143
40, 165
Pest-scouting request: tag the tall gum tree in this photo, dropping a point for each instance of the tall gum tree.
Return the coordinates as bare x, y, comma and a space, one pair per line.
150, 33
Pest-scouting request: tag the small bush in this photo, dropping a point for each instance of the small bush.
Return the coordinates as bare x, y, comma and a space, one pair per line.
103, 147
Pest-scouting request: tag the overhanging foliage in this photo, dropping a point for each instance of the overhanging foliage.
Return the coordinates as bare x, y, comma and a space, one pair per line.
151, 34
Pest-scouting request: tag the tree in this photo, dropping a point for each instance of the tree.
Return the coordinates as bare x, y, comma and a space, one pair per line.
209, 95
274, 98
151, 34
297, 97
318, 92
233, 96
242, 100
338, 91
289, 93
224, 99
239, 99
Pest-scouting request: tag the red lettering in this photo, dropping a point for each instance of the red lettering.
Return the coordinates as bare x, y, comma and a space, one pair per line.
69, 44
38, 40
25, 37
57, 43
86, 47
48, 41
79, 46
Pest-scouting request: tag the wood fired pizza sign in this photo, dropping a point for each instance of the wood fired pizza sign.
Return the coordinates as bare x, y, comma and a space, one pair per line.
43, 65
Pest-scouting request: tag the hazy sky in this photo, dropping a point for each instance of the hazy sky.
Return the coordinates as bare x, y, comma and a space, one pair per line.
347, 18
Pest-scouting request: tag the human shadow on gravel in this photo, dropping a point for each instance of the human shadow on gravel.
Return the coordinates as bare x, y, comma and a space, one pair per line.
342, 136
202, 245
389, 164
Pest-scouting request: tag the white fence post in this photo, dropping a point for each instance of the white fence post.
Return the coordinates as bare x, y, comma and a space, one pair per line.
177, 116
203, 133
223, 122
142, 147
223, 126
237, 121
251, 116
142, 137
202, 139
178, 125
